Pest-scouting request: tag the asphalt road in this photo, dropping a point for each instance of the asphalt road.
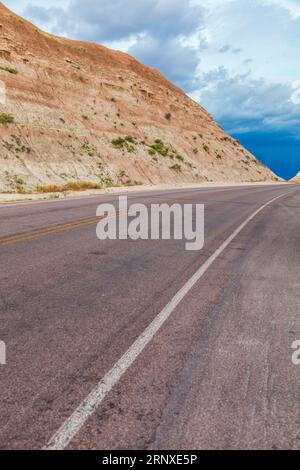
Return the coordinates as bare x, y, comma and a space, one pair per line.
218, 373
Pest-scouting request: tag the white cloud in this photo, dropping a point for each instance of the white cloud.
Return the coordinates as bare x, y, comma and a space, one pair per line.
266, 34
244, 103
239, 58
258, 87
292, 6
295, 98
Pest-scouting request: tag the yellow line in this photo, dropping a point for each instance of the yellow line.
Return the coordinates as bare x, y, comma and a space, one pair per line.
43, 233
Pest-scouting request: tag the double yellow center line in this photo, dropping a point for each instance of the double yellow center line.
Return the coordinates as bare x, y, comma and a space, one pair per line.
49, 231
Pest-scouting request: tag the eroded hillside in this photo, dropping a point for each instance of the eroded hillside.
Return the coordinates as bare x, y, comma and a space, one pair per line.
81, 112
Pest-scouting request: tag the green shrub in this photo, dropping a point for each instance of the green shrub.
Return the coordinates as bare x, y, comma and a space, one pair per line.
175, 167
152, 151
206, 148
180, 158
119, 142
20, 185
160, 147
6, 118
130, 139
9, 70
130, 148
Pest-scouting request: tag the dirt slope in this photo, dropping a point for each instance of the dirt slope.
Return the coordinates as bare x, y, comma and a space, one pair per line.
296, 179
69, 100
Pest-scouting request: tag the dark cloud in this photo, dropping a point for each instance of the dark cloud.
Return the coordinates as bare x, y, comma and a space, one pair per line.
170, 57
227, 48
108, 20
242, 102
260, 114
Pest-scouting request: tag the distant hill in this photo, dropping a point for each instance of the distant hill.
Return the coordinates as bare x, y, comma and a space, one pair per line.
296, 179
81, 112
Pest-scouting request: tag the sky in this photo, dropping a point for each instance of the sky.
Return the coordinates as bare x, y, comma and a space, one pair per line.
237, 58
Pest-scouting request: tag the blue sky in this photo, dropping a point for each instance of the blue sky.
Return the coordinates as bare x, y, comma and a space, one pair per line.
238, 58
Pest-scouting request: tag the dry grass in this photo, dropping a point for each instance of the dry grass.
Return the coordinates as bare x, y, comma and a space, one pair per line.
49, 188
71, 186
81, 185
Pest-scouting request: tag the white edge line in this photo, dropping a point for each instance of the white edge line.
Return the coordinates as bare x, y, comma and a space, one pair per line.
74, 423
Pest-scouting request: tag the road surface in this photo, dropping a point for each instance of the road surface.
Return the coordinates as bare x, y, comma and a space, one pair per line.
217, 374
